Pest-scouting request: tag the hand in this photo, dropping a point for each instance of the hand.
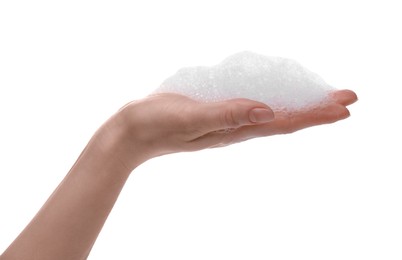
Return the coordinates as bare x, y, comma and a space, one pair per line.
169, 123
166, 123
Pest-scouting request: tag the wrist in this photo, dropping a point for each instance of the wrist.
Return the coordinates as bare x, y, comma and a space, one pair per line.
115, 139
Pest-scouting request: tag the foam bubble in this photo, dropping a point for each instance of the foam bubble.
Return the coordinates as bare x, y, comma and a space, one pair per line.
282, 84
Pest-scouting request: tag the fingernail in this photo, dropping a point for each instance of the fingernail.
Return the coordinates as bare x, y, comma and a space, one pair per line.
261, 115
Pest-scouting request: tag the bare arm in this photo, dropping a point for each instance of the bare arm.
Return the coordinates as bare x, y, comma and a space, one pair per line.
68, 224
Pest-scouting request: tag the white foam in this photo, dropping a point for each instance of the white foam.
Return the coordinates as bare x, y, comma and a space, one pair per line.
282, 84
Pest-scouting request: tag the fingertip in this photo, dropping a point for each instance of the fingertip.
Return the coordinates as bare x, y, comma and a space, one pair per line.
336, 112
344, 97
345, 113
352, 96
249, 112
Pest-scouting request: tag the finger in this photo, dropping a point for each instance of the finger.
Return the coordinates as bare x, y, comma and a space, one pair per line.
321, 115
286, 123
283, 123
233, 114
344, 97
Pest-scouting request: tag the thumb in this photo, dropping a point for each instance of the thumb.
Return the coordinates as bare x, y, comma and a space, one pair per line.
235, 113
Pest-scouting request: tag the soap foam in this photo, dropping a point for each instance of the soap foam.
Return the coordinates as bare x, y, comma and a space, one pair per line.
281, 83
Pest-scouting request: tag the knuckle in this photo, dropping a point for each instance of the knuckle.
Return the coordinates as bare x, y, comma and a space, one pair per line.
229, 118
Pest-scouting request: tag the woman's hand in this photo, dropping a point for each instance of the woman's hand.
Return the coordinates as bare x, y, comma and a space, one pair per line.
169, 123
69, 222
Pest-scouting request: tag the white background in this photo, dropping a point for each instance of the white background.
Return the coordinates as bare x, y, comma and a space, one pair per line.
329, 192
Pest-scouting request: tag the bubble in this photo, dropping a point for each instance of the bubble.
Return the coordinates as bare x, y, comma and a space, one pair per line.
282, 84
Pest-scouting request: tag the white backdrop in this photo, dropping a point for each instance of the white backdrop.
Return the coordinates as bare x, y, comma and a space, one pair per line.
329, 192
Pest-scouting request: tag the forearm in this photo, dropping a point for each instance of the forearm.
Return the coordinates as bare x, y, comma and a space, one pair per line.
69, 222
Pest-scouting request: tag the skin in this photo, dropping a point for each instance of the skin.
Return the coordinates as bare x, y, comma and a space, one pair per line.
68, 224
